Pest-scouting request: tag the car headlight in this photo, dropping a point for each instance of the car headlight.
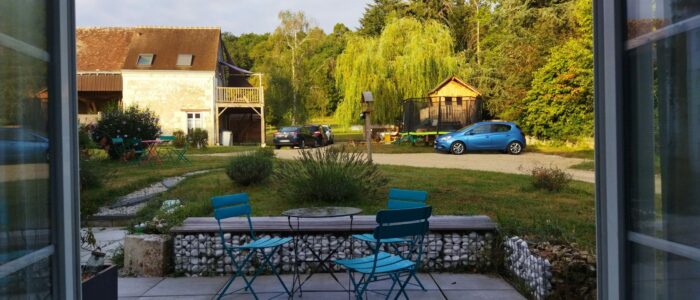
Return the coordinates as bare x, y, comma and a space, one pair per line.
445, 138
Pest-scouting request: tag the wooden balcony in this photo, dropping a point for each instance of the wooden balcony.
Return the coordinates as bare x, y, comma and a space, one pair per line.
239, 96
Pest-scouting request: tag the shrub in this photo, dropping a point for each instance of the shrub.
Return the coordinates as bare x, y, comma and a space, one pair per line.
198, 138
329, 175
550, 178
251, 167
130, 122
180, 139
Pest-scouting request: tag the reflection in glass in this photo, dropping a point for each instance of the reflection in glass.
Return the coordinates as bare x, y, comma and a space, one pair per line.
25, 219
662, 139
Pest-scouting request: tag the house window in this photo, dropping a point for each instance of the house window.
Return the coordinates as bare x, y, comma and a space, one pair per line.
194, 120
459, 101
145, 59
184, 60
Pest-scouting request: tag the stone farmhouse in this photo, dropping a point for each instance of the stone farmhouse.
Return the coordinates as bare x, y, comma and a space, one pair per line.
184, 74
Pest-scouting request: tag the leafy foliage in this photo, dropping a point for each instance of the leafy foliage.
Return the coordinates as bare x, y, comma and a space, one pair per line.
180, 139
252, 167
329, 175
198, 138
560, 103
131, 122
408, 59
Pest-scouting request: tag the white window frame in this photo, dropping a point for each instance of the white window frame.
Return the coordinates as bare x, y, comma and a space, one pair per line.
197, 121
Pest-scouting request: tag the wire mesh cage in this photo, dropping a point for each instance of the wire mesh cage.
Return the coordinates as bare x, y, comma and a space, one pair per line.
439, 114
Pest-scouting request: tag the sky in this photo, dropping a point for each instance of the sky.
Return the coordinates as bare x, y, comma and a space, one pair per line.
235, 16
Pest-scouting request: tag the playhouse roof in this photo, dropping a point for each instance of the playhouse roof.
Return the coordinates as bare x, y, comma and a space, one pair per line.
455, 79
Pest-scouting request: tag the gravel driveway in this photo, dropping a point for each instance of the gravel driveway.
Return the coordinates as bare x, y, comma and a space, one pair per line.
496, 162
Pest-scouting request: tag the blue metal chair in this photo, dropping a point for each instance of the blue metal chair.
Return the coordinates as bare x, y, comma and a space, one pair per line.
399, 199
237, 205
411, 223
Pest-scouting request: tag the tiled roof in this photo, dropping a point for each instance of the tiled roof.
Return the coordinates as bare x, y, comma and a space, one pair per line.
114, 49
102, 49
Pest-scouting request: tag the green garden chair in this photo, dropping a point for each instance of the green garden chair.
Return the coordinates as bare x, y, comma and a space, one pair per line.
178, 154
167, 140
119, 147
410, 223
134, 145
399, 199
237, 205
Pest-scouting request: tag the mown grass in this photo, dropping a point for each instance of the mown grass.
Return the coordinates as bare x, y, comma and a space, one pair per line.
588, 165
519, 208
120, 178
563, 150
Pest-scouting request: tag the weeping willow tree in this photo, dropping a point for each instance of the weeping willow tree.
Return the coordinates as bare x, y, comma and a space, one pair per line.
407, 60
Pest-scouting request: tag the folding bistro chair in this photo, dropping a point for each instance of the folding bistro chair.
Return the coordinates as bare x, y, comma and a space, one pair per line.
179, 153
399, 199
396, 223
118, 146
167, 140
237, 205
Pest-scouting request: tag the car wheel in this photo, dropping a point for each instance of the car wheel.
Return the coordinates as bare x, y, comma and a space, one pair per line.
317, 143
302, 145
458, 148
278, 147
515, 148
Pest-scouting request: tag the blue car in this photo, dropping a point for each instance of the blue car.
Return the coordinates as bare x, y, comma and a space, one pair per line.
21, 146
501, 136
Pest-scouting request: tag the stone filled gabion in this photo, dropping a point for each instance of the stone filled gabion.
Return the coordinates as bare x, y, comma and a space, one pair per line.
203, 254
535, 271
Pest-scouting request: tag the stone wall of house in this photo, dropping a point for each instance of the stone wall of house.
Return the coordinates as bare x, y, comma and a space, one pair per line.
171, 95
203, 254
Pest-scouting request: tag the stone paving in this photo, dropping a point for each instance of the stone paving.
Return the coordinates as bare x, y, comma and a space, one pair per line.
320, 286
107, 238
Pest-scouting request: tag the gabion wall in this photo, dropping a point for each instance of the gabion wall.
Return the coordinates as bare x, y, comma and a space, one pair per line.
203, 254
535, 271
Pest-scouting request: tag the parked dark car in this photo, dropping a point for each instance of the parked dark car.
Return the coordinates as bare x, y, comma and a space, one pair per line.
328, 132
21, 145
294, 136
318, 133
502, 136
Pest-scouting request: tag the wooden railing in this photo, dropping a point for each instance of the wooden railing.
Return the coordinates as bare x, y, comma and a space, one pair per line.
243, 95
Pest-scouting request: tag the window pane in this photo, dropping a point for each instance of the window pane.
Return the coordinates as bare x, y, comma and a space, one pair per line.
662, 144
25, 219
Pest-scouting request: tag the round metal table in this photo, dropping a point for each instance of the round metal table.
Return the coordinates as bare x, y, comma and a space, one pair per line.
323, 263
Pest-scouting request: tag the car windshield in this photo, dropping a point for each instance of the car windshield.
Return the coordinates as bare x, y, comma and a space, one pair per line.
289, 129
313, 127
465, 129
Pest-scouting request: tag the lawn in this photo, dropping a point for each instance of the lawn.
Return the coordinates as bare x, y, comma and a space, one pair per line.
510, 200
120, 178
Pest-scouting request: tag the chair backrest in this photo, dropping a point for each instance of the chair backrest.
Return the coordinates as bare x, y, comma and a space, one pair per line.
400, 199
398, 223
230, 206
166, 137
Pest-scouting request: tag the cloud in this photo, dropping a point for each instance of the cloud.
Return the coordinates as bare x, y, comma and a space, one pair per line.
236, 16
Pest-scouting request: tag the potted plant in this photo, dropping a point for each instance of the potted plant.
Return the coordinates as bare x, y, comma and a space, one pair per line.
99, 281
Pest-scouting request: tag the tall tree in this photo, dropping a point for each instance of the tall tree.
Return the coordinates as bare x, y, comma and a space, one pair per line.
409, 58
294, 30
375, 17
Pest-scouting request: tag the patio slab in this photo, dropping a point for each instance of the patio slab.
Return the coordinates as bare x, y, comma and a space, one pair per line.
319, 287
